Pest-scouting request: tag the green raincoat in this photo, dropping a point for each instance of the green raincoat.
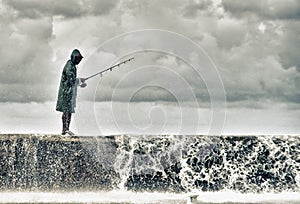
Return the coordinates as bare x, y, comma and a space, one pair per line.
66, 101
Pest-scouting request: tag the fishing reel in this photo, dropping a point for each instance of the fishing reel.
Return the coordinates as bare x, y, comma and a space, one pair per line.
82, 83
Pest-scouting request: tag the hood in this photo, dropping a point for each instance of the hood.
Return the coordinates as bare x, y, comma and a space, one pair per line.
75, 54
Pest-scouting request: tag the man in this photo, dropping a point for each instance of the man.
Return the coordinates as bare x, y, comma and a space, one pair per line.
66, 101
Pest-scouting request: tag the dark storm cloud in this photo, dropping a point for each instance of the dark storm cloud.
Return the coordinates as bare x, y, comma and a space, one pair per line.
254, 63
28, 71
65, 8
26, 67
278, 22
193, 8
269, 9
289, 50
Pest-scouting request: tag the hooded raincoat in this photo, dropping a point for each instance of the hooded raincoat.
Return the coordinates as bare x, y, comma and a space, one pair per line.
66, 101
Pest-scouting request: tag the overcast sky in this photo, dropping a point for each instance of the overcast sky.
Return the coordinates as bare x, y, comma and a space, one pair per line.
248, 50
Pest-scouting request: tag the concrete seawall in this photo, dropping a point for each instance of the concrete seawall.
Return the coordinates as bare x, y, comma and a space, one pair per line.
52, 162
162, 163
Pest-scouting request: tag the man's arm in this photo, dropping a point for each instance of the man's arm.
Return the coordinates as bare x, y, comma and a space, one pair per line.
71, 75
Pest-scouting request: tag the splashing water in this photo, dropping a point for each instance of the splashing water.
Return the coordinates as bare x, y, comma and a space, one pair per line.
168, 165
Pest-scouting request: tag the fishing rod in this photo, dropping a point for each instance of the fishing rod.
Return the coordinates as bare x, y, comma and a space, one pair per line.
109, 68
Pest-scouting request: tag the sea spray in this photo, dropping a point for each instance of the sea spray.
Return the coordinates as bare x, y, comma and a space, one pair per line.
160, 163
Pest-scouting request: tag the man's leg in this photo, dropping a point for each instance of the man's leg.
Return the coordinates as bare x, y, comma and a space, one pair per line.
66, 119
69, 115
64, 123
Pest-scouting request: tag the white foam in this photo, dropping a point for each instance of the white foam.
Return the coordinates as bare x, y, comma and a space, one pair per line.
131, 197
231, 196
89, 197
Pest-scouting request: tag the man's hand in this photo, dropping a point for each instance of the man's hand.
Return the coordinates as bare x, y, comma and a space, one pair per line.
82, 80
82, 83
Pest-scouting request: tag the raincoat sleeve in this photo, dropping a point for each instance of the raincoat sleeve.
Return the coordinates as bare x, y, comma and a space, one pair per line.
71, 75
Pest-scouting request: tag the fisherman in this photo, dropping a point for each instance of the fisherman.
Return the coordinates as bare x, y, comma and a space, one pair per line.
66, 101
